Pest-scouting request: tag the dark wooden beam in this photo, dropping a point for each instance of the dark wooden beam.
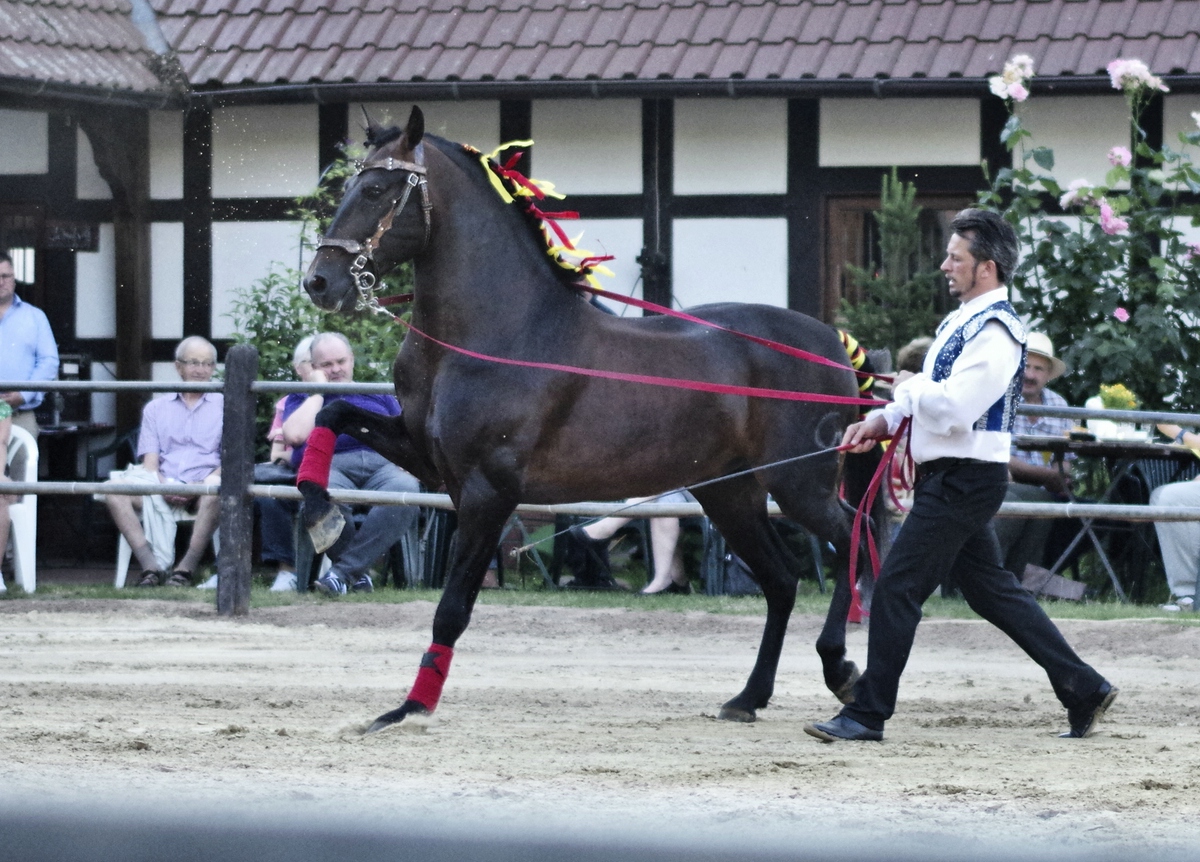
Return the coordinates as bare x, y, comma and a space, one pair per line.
120, 140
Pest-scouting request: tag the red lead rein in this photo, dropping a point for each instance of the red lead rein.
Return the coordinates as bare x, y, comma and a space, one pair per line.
856, 614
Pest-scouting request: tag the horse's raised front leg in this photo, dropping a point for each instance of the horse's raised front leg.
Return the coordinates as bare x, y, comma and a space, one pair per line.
482, 514
738, 509
326, 523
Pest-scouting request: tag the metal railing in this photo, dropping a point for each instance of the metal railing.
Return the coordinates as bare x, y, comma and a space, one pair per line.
237, 489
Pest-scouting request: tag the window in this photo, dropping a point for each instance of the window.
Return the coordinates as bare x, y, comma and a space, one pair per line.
852, 237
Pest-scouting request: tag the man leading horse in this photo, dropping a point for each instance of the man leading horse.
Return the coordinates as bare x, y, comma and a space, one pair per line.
962, 407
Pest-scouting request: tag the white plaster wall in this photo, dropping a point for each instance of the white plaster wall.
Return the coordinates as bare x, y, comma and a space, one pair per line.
1177, 118
1080, 129
89, 185
884, 132
166, 155
623, 239
104, 406
95, 289
730, 146
166, 279
588, 146
475, 123
164, 372
24, 142
264, 151
243, 252
730, 260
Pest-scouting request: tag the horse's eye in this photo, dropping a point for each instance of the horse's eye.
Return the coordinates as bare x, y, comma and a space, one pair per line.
372, 193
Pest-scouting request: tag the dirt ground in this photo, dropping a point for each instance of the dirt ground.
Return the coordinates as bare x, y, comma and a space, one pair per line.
597, 721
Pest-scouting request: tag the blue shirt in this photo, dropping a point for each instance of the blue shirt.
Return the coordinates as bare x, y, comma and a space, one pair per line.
385, 404
27, 348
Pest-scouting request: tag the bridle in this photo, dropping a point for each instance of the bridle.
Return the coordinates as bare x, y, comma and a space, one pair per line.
364, 252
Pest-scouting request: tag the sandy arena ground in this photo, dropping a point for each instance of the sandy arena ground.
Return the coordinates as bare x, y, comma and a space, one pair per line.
594, 721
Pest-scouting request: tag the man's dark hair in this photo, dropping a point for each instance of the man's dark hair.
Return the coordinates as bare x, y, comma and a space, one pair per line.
4, 258
989, 237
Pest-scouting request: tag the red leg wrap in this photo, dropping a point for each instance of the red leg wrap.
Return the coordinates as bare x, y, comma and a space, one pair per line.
435, 664
318, 455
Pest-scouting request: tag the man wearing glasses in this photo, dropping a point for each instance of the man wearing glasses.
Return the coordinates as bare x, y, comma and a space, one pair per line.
27, 348
180, 442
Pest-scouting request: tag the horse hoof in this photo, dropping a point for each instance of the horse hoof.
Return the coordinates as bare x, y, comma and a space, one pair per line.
327, 530
413, 712
729, 712
845, 691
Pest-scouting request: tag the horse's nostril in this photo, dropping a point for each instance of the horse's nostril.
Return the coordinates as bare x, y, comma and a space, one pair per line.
315, 285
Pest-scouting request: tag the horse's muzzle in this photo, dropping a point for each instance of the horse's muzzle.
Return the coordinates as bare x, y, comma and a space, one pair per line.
319, 291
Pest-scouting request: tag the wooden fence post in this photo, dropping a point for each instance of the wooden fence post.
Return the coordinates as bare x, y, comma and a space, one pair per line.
237, 474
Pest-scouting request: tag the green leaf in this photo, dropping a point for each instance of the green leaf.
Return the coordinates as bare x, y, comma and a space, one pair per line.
1044, 156
1010, 128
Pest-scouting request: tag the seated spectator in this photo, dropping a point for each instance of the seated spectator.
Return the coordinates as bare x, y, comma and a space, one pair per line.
180, 442
6, 421
275, 520
355, 465
1035, 477
589, 558
1179, 540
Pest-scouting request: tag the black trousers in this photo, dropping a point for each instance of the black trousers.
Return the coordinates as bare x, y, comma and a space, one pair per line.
949, 531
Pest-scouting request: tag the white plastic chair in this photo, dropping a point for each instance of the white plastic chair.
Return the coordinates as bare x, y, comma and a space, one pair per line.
23, 467
125, 552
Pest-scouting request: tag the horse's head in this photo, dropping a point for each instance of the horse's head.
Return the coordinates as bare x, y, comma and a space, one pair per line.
383, 220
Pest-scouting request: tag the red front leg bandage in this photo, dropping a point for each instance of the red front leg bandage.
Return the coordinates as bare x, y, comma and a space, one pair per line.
435, 664
318, 455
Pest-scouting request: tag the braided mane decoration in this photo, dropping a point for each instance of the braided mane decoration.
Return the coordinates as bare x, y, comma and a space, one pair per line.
513, 187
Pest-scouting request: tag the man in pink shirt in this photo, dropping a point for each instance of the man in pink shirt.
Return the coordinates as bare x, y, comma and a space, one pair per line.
180, 442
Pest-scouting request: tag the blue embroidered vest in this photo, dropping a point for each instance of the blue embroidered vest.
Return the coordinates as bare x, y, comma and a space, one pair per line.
1000, 416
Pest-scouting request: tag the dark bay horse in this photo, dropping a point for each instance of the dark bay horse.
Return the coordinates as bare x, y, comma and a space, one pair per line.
496, 435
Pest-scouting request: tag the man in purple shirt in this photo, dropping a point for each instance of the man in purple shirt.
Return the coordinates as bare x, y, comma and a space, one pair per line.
180, 442
355, 465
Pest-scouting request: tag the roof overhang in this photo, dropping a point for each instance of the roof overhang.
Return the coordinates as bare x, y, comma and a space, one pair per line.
48, 94
880, 88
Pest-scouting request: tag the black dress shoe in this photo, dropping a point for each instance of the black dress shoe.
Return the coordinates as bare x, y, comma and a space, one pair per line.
842, 727
1083, 718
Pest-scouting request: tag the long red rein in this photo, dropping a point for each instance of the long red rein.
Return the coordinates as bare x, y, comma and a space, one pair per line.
318, 455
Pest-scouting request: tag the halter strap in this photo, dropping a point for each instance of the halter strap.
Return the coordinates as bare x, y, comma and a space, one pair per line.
364, 251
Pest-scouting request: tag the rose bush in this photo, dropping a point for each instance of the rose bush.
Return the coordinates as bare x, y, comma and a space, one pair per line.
1106, 272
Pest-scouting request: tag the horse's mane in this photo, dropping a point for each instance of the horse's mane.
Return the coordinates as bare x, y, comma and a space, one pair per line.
471, 161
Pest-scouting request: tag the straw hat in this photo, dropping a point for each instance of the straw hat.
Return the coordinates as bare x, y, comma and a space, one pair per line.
1039, 344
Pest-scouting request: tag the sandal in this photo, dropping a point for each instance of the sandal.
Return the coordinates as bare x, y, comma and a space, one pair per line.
152, 578
180, 578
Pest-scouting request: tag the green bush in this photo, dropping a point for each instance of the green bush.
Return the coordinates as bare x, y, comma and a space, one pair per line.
1115, 288
900, 300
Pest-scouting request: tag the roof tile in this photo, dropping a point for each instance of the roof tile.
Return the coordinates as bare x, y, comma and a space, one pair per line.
262, 41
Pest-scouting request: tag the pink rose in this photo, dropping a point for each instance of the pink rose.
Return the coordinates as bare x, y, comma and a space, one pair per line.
1017, 92
1120, 156
1121, 315
1109, 222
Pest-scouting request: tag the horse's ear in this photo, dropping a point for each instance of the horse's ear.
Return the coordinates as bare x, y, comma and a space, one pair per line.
415, 130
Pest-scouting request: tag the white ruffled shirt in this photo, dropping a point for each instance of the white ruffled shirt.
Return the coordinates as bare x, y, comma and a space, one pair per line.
944, 413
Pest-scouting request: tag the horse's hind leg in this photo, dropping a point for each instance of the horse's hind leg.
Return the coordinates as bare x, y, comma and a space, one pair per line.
738, 509
482, 514
829, 520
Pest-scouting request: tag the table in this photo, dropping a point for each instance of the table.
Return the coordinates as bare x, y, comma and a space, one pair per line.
1121, 456
60, 447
